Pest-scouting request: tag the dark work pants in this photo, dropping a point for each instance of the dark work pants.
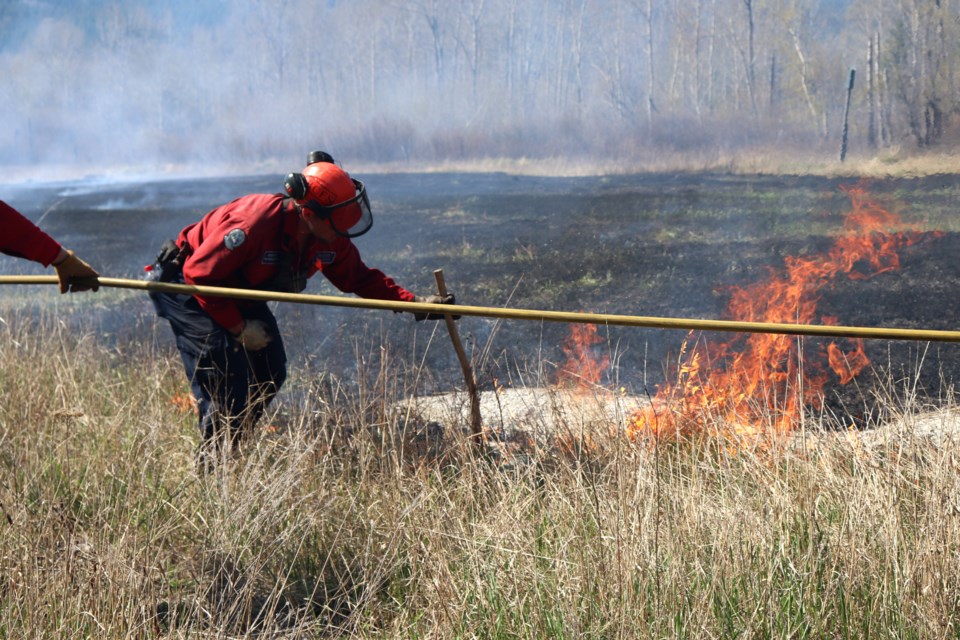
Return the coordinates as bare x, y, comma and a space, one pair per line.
232, 386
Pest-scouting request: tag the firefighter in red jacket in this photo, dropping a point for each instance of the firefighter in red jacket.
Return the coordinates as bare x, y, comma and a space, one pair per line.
23, 239
232, 350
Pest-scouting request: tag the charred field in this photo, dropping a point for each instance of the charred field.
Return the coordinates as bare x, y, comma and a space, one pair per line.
671, 245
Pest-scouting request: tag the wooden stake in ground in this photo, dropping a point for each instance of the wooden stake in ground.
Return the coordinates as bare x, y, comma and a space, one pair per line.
476, 425
846, 117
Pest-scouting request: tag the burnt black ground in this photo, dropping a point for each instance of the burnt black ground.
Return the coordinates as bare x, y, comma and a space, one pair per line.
653, 245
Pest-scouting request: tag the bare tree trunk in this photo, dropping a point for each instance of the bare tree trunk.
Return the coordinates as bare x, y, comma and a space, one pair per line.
619, 95
508, 59
883, 135
709, 96
675, 90
578, 55
751, 56
472, 49
651, 81
477, 49
697, 64
886, 108
805, 85
872, 94
560, 61
919, 76
683, 91
773, 82
435, 24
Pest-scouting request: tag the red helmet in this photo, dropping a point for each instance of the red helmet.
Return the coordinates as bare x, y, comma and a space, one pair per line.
333, 195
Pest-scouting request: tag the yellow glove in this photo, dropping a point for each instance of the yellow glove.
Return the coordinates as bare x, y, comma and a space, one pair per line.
254, 335
75, 274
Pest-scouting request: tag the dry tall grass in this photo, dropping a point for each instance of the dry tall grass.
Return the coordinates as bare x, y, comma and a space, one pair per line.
891, 162
334, 523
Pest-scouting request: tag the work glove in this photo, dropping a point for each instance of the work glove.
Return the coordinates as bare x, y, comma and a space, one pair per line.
434, 299
169, 252
254, 335
74, 274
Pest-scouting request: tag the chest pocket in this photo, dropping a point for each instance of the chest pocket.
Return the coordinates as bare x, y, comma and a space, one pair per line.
271, 257
289, 278
325, 257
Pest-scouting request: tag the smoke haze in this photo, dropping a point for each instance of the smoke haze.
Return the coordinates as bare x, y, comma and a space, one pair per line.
95, 83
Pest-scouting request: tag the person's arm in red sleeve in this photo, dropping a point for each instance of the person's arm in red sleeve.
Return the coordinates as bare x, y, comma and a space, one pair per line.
349, 274
211, 264
23, 239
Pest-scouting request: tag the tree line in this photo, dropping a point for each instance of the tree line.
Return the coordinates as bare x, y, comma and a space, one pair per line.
425, 80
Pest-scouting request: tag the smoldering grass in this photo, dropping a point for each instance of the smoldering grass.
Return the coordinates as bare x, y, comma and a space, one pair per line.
335, 519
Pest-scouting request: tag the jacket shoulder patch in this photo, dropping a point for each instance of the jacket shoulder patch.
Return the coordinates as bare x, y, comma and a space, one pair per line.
234, 238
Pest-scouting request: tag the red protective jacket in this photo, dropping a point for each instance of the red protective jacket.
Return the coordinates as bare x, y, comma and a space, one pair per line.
20, 237
241, 245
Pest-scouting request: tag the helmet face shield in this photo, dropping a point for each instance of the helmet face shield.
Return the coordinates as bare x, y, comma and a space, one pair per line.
350, 218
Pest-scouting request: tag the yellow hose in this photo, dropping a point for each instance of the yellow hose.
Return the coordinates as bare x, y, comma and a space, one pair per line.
521, 314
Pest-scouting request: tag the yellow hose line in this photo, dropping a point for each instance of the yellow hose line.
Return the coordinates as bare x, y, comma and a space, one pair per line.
521, 314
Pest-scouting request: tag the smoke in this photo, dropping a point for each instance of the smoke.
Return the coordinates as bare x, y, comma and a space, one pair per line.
100, 83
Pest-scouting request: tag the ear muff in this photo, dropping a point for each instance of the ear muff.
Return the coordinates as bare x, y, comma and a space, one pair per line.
295, 184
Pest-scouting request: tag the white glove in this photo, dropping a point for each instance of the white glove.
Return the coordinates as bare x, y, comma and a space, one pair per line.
254, 335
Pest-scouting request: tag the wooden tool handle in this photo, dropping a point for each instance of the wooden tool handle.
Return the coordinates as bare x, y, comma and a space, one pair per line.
476, 421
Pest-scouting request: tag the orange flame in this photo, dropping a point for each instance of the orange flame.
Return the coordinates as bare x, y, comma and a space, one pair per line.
847, 366
184, 402
756, 382
582, 369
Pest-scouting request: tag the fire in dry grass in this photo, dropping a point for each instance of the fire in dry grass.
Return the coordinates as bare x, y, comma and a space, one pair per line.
184, 403
760, 383
583, 368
